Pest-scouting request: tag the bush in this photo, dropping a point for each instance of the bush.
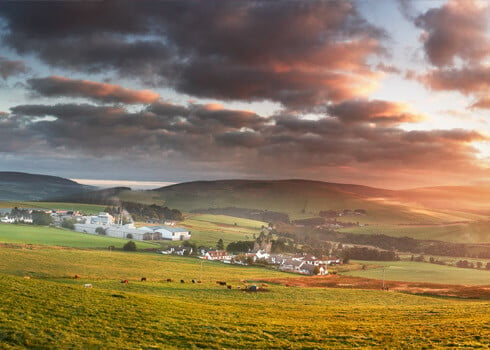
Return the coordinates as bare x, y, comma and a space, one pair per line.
41, 218
130, 246
100, 231
129, 236
69, 224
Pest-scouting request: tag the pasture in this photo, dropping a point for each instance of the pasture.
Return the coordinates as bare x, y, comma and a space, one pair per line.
30, 234
88, 209
53, 310
207, 229
411, 271
470, 232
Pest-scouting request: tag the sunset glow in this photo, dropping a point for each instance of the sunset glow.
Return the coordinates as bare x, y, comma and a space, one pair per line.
383, 93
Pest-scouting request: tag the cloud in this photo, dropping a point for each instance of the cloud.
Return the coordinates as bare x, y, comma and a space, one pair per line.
241, 142
482, 103
9, 68
457, 42
299, 54
374, 111
457, 29
56, 86
467, 80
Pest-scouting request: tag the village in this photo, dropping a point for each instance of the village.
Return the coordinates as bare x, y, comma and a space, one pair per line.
101, 224
123, 227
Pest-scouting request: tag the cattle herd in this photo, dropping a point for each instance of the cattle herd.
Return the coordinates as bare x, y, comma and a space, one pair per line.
244, 286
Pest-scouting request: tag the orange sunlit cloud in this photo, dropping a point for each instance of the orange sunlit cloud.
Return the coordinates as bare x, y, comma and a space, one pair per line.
62, 86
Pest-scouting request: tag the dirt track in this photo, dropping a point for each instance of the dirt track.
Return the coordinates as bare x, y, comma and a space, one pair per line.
340, 281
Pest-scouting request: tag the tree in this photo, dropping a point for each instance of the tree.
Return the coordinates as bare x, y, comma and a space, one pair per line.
220, 245
316, 270
130, 246
346, 257
68, 223
41, 218
129, 236
100, 231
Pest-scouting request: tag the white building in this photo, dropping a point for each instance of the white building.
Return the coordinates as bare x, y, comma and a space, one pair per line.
102, 219
21, 220
165, 232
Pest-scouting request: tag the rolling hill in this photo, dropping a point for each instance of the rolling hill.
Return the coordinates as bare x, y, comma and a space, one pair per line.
455, 214
16, 186
303, 199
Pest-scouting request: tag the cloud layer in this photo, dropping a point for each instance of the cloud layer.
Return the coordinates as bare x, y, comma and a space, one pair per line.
319, 62
242, 141
300, 54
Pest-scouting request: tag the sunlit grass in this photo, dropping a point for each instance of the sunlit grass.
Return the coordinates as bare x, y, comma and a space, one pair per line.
31, 234
411, 271
52, 310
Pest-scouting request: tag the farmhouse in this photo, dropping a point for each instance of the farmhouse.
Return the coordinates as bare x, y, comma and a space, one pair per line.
219, 255
165, 232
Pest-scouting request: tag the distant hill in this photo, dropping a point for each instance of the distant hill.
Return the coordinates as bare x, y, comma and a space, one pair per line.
303, 199
107, 196
17, 186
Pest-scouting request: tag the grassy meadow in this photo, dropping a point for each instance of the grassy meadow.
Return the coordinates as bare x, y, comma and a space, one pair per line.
29, 234
474, 232
207, 229
53, 310
88, 209
411, 271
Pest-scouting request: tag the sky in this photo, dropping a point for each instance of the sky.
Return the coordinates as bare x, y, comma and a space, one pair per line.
385, 93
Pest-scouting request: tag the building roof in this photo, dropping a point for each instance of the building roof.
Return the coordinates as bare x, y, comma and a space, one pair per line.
168, 228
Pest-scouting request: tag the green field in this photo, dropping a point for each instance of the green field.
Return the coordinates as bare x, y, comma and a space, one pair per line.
88, 209
52, 310
474, 232
29, 234
207, 229
410, 271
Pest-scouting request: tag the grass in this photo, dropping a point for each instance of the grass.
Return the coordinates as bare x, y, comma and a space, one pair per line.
473, 232
50, 310
29, 234
88, 209
410, 271
207, 229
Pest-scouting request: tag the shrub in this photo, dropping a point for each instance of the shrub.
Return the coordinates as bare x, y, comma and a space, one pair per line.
130, 246
69, 224
100, 231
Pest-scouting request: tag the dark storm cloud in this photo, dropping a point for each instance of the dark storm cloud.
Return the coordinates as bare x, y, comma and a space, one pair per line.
237, 140
56, 86
296, 53
9, 68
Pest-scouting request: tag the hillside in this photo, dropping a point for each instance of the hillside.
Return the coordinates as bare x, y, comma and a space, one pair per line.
16, 186
300, 198
303, 199
423, 213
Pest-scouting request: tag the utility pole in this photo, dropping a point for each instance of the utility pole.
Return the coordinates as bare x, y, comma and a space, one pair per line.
383, 277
